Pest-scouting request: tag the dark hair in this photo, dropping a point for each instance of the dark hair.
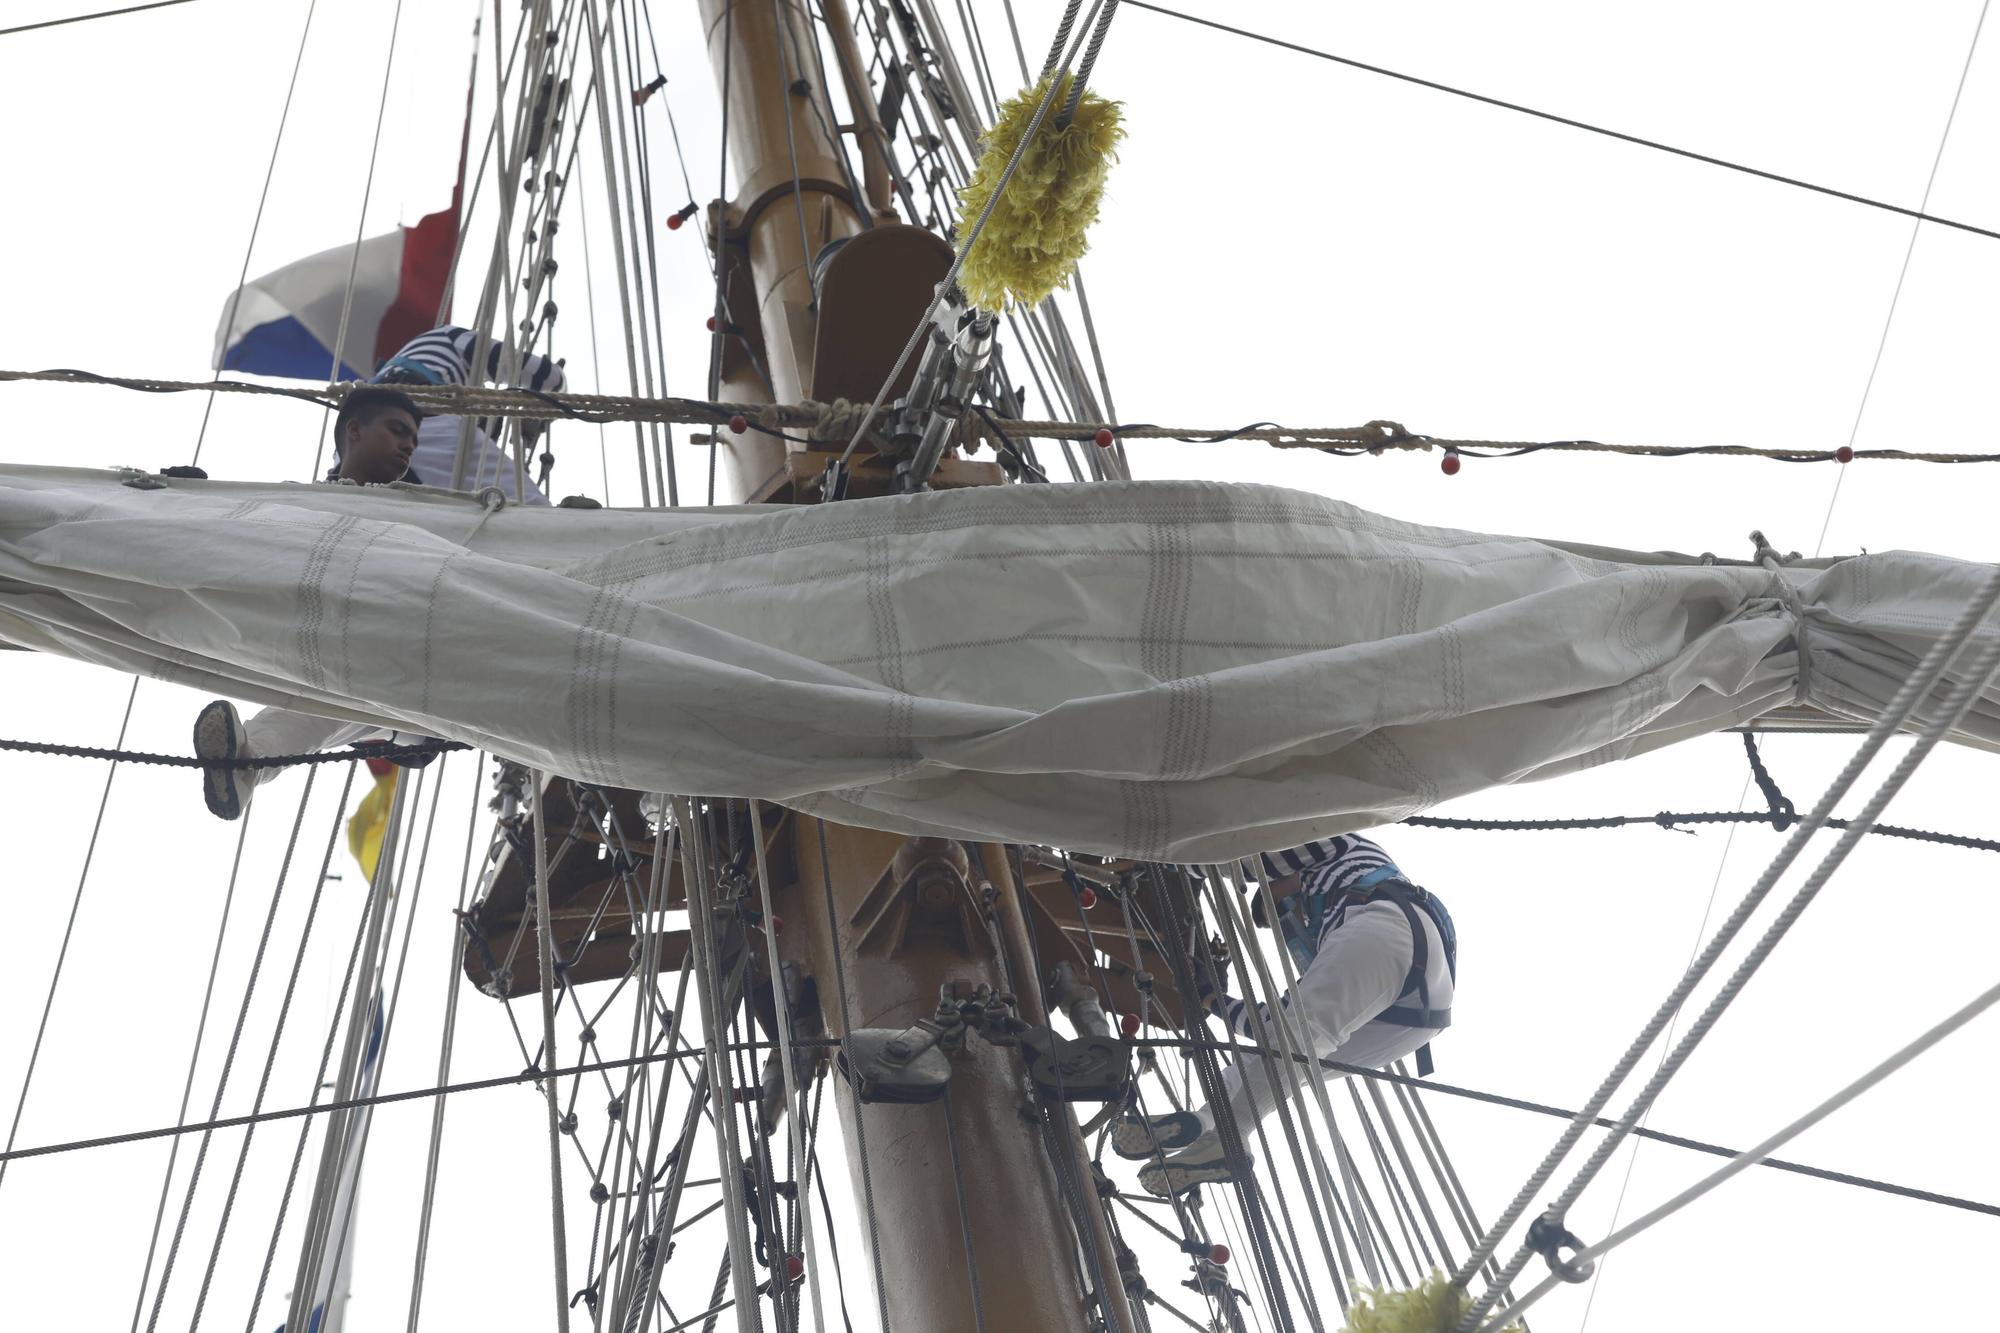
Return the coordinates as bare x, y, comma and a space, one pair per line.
366, 403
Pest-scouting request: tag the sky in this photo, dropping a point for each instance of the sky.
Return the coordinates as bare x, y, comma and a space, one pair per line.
1283, 239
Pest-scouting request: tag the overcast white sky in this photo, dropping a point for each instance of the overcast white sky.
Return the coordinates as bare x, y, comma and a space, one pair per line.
1284, 239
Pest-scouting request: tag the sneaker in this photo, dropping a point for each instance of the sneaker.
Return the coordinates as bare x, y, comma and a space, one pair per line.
1137, 1139
218, 734
1183, 1171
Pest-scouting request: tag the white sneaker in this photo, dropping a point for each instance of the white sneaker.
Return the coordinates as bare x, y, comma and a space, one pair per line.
1140, 1140
218, 734
1183, 1171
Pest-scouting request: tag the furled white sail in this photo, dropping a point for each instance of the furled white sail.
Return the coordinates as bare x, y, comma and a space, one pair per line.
1174, 670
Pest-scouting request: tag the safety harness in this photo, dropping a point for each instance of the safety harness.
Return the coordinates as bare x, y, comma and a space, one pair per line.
1411, 899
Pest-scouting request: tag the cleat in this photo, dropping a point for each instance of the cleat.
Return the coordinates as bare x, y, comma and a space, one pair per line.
1182, 1172
1137, 1140
218, 734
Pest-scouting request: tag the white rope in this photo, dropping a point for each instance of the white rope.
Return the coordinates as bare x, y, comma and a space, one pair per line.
1986, 664
1750, 1157
1899, 708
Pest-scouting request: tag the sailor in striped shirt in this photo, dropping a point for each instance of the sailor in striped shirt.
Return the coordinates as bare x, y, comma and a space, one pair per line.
1375, 958
445, 356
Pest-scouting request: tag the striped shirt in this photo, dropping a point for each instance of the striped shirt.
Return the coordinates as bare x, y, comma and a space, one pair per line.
445, 356
1331, 865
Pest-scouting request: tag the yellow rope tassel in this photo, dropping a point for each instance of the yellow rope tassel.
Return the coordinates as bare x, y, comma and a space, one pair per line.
1434, 1307
1040, 227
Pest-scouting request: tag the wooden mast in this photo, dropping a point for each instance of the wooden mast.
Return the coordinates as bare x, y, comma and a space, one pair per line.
894, 919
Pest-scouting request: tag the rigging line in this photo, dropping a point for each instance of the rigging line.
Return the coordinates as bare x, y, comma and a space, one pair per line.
1673, 819
853, 1088
782, 1009
1915, 687
712, 238
1903, 273
364, 925
1751, 1156
1984, 666
545, 955
69, 929
1565, 120
790, 69
86, 18
446, 1042
386, 1016
363, 980
1599, 1122
1700, 934
950, 279
360, 225
646, 268
187, 1087
257, 222
229, 1058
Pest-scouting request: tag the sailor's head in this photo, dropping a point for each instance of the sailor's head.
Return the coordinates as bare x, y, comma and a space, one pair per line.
375, 434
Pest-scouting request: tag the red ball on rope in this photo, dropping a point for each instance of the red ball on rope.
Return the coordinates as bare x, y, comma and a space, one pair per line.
674, 221
1086, 898
1844, 454
1103, 438
1450, 463
1129, 1024
1218, 1254
738, 424
711, 323
795, 1267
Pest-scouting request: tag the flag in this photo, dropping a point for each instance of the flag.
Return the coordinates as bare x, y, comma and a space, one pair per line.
285, 322
371, 818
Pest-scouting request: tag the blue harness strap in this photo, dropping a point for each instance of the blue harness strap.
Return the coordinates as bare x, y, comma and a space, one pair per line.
1412, 900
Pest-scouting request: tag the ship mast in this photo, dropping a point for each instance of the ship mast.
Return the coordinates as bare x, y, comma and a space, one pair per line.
964, 1197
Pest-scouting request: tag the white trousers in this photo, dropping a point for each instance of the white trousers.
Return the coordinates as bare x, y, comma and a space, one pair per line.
1359, 972
279, 731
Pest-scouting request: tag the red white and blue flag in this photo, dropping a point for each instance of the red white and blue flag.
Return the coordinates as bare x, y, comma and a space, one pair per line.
286, 322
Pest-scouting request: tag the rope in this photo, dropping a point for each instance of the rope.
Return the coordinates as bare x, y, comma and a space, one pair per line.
1565, 120
1750, 1157
359, 750
69, 930
1671, 819
827, 422
86, 18
1902, 273
1980, 673
545, 957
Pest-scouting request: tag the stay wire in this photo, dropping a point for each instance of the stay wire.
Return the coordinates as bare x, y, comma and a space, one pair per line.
360, 225
87, 18
1565, 120
1903, 273
1751, 1156
229, 1064
257, 222
69, 930
187, 1087
1700, 934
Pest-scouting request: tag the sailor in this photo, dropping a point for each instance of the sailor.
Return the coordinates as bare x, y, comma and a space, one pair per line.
445, 356
374, 438
1376, 957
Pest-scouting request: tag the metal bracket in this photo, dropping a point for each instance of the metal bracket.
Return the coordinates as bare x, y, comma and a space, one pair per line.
905, 1067
956, 354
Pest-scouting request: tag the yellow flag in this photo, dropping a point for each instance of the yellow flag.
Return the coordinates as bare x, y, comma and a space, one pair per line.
371, 820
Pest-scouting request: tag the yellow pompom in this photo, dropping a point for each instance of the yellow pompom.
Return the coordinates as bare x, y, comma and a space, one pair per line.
1040, 227
1434, 1307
